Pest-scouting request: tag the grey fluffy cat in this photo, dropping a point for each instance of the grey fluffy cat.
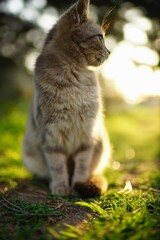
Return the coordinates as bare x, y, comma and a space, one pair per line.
65, 140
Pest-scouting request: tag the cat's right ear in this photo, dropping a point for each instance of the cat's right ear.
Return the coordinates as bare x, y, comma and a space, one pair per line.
80, 11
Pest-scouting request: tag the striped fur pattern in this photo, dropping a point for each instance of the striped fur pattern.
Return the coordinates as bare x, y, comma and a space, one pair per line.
65, 139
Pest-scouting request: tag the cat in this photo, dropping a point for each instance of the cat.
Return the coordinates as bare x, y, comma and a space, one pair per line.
65, 140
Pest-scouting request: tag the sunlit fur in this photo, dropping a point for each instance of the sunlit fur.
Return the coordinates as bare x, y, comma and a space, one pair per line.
65, 140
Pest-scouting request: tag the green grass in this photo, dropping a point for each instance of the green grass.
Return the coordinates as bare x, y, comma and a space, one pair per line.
128, 216
135, 130
133, 215
13, 117
25, 219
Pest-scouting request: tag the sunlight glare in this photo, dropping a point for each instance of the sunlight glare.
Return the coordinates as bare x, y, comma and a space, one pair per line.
29, 14
134, 82
135, 15
37, 3
134, 34
144, 55
143, 23
48, 18
14, 6
132, 13
30, 60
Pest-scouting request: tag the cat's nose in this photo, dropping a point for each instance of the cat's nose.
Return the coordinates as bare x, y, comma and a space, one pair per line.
106, 54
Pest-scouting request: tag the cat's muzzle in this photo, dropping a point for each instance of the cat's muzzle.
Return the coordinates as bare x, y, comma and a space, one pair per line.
103, 57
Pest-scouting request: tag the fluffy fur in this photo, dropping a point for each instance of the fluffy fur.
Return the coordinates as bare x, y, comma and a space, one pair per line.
65, 140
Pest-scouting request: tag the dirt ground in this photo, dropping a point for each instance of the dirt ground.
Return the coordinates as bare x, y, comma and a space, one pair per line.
28, 191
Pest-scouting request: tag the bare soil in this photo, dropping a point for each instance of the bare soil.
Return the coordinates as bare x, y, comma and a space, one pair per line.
30, 191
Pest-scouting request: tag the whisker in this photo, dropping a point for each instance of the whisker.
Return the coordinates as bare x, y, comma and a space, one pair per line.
109, 17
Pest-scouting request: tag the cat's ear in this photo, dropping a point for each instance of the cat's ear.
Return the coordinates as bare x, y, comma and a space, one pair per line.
77, 14
107, 20
80, 11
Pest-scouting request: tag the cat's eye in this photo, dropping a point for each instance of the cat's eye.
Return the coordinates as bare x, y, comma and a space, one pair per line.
100, 36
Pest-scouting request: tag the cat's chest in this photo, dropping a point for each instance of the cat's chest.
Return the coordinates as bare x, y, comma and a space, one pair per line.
74, 105
85, 91
72, 114
83, 96
82, 99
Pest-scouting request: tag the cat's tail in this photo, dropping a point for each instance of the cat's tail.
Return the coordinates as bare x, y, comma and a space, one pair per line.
94, 187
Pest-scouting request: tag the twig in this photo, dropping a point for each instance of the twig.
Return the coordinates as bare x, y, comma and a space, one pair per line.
60, 205
154, 190
12, 204
6, 203
13, 209
150, 189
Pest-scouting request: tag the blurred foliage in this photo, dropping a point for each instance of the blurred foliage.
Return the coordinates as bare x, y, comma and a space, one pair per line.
23, 25
12, 124
139, 129
134, 134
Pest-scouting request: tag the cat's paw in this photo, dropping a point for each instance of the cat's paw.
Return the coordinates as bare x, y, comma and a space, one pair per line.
60, 189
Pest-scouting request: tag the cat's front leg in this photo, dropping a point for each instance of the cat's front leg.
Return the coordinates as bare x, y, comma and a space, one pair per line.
57, 166
82, 168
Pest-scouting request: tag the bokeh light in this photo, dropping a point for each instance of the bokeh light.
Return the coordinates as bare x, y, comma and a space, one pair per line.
134, 41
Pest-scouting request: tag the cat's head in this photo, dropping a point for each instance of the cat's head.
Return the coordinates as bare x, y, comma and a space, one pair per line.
80, 36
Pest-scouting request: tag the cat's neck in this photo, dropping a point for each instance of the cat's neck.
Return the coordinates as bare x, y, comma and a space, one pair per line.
68, 56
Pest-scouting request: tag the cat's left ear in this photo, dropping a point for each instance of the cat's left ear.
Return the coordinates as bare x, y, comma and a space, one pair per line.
80, 11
